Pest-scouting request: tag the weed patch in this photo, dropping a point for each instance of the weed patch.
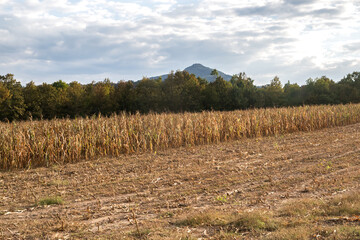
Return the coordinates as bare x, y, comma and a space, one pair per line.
50, 201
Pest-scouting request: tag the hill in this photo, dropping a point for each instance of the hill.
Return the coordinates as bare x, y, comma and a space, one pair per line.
200, 70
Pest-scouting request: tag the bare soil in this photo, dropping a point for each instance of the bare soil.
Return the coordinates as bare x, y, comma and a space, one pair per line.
114, 197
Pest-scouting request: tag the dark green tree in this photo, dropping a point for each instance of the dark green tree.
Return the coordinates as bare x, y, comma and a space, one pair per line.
348, 89
318, 91
217, 95
62, 100
32, 100
48, 100
125, 97
243, 93
182, 92
12, 106
148, 95
75, 100
274, 93
292, 94
100, 97
215, 73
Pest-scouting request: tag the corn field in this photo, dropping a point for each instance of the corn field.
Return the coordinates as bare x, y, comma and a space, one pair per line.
42, 143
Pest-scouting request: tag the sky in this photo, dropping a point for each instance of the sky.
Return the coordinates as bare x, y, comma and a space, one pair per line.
45, 41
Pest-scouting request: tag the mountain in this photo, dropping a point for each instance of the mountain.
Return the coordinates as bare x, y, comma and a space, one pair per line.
205, 72
200, 70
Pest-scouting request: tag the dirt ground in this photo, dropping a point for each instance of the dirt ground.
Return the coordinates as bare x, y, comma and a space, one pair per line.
114, 197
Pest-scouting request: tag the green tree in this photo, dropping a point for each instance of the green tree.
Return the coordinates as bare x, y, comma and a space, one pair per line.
12, 106
60, 85
61, 99
48, 100
274, 93
125, 97
348, 88
292, 94
75, 100
182, 92
101, 97
217, 95
4, 93
215, 73
32, 100
192, 93
319, 91
243, 93
148, 95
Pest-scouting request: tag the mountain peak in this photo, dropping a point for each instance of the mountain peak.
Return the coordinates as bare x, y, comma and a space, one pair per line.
202, 71
196, 65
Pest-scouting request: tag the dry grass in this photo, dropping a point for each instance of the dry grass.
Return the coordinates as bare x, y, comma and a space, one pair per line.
43, 143
209, 218
236, 222
310, 218
344, 205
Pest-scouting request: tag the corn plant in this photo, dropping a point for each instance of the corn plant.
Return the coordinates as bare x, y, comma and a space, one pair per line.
42, 143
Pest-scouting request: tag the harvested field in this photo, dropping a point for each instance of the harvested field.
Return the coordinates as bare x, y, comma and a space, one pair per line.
302, 185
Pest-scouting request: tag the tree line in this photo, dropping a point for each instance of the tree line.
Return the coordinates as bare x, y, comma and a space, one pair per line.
179, 92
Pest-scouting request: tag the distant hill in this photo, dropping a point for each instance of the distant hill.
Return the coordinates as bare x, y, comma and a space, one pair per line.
205, 72
200, 70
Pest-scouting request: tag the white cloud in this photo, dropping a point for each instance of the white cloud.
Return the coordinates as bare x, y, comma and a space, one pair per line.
295, 39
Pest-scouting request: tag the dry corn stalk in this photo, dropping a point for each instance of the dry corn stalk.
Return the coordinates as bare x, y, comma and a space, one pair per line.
41, 143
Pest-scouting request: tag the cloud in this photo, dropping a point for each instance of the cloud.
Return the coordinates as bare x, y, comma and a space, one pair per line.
352, 47
90, 40
289, 9
299, 2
